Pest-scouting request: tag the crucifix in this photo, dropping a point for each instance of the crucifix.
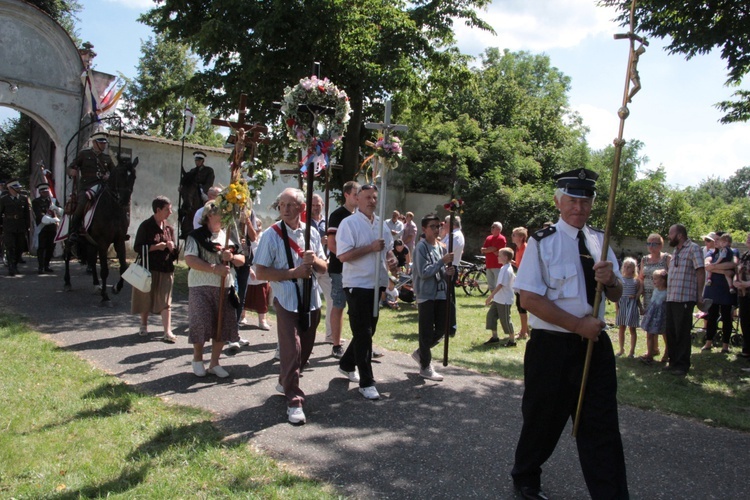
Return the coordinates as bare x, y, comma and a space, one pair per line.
249, 135
386, 127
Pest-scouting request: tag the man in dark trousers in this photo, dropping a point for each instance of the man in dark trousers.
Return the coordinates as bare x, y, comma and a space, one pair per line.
15, 218
45, 205
91, 169
557, 284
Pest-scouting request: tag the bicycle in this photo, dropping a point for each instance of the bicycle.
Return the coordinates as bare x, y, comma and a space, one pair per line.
472, 277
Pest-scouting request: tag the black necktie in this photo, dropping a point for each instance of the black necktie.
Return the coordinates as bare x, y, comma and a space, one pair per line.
587, 262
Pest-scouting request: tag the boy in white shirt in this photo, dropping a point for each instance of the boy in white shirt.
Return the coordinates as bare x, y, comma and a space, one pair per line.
500, 301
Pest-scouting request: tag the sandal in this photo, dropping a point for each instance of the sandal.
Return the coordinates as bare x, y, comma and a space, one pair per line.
170, 337
143, 332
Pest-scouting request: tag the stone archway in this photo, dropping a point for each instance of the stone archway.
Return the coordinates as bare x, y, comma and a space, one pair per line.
40, 74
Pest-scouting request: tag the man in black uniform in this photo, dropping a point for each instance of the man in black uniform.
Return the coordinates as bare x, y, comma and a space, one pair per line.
14, 215
194, 188
91, 169
45, 204
557, 284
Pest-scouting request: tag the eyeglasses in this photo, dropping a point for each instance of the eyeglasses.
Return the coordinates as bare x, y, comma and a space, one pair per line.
652, 243
101, 141
676, 261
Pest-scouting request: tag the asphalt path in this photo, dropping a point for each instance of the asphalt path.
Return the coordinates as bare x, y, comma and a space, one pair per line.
422, 439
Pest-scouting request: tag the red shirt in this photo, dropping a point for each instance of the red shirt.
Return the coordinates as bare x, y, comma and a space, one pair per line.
498, 242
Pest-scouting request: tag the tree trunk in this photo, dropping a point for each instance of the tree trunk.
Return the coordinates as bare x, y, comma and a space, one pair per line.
350, 152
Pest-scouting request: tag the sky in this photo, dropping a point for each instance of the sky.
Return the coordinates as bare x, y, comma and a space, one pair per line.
673, 114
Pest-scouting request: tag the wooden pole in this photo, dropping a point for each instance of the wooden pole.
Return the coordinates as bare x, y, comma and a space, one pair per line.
623, 113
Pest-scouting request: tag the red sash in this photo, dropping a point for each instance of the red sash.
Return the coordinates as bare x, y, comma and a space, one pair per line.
292, 244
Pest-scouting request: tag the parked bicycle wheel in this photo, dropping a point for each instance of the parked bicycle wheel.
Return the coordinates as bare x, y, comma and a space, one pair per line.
475, 283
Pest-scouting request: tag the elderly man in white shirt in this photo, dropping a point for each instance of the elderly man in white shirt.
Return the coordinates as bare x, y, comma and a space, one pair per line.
280, 243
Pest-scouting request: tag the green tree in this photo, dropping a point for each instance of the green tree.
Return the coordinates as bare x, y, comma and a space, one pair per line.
698, 27
62, 11
155, 101
370, 48
14, 147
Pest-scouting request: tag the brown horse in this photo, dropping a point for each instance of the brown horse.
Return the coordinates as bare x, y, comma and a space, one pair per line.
109, 226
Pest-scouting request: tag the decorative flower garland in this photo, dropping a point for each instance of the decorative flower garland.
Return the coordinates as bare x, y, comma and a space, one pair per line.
455, 205
319, 93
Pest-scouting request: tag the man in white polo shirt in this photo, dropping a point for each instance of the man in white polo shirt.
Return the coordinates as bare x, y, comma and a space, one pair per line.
280, 243
361, 250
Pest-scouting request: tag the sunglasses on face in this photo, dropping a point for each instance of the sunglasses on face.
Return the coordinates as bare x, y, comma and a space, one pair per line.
367, 187
652, 243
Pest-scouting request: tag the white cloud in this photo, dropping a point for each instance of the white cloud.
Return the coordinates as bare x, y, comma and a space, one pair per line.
538, 25
135, 4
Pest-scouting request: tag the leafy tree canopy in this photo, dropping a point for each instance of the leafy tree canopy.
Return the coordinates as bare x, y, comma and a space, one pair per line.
62, 11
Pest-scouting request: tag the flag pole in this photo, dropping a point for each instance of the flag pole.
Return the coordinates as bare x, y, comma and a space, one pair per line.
631, 76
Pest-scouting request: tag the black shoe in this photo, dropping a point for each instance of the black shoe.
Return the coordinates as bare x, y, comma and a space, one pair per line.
21, 261
493, 340
532, 493
49, 270
678, 373
337, 352
510, 343
40, 271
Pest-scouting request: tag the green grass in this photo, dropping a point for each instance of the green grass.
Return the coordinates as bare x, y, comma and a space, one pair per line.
716, 391
70, 431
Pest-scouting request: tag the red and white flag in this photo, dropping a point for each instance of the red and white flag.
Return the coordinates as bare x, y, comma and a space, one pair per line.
189, 122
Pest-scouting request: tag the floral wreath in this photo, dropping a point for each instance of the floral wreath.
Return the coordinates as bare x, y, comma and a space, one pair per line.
455, 205
390, 150
321, 93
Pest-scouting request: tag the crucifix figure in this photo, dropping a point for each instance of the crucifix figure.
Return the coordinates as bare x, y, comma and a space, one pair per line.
249, 135
386, 127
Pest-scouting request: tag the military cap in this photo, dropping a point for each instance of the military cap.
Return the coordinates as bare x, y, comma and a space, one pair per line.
578, 183
199, 155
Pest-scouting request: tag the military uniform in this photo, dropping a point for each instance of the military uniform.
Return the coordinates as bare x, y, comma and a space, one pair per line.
553, 268
15, 216
92, 168
45, 248
194, 187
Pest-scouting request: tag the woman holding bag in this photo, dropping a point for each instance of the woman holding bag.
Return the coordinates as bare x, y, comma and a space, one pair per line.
157, 238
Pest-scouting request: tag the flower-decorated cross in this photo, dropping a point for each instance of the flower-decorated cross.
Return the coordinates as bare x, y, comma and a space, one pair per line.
386, 127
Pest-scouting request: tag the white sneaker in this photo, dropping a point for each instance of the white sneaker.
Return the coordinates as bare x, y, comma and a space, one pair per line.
277, 355
233, 347
244, 342
218, 371
295, 415
199, 369
430, 374
243, 322
143, 331
416, 356
352, 376
369, 392
264, 325
280, 389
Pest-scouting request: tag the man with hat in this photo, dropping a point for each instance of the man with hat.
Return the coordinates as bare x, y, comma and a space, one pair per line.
90, 169
14, 217
557, 284
46, 212
194, 187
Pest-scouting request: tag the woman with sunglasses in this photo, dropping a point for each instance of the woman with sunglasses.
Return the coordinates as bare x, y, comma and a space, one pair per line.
655, 260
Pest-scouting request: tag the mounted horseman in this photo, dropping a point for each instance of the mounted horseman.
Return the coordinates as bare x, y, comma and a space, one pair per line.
194, 188
91, 168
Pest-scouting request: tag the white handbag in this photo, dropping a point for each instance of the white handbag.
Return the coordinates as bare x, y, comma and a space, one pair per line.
138, 276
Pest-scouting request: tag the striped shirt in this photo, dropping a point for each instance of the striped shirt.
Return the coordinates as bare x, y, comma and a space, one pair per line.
272, 253
682, 285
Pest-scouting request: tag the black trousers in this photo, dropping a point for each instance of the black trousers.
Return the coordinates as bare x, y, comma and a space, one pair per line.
359, 351
46, 246
553, 367
744, 303
432, 317
679, 325
725, 310
243, 275
14, 243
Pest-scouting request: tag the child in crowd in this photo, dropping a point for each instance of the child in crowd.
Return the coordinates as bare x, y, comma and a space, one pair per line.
722, 254
391, 294
501, 299
655, 318
627, 307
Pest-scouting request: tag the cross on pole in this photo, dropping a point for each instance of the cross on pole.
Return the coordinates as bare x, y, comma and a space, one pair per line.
386, 127
251, 133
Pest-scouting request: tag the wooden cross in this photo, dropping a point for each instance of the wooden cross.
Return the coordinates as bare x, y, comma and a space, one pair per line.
251, 133
386, 126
